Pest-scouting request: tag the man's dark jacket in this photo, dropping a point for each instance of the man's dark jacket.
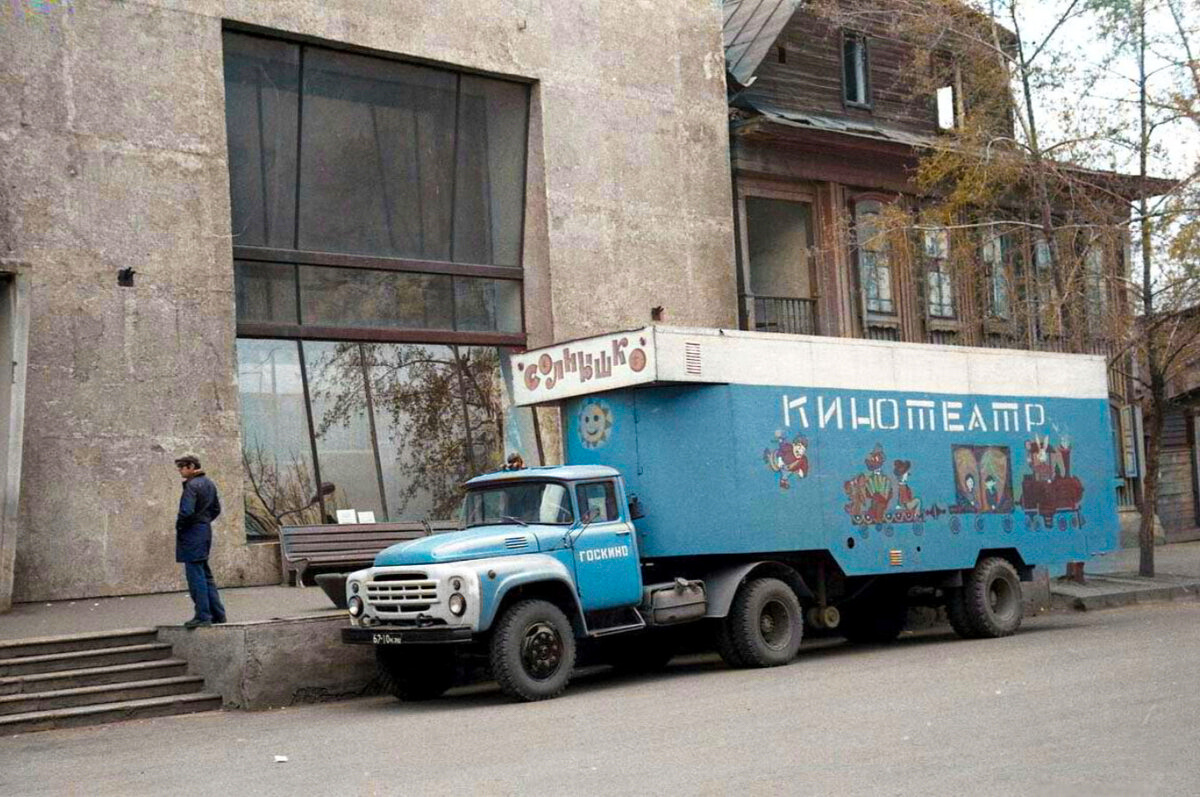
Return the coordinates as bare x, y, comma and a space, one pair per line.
199, 506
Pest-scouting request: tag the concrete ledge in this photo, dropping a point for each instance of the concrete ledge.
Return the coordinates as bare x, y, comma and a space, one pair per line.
1116, 590
268, 664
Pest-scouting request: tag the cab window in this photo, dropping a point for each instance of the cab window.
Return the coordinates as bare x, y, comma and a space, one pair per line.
599, 499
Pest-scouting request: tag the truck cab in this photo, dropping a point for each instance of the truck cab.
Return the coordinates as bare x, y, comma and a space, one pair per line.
556, 543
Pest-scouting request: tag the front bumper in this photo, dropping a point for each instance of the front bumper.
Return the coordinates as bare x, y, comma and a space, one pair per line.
405, 636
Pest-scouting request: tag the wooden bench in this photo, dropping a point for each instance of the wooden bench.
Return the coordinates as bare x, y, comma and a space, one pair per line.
344, 547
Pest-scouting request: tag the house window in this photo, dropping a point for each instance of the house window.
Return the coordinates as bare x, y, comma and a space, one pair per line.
994, 254
377, 214
937, 273
856, 69
778, 249
1045, 316
946, 96
1095, 290
874, 259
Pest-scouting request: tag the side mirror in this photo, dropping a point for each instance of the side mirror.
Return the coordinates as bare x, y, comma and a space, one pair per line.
635, 508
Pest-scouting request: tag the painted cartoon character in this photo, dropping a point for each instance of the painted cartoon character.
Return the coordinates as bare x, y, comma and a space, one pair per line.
856, 491
790, 458
878, 487
968, 498
991, 494
595, 424
1038, 452
905, 500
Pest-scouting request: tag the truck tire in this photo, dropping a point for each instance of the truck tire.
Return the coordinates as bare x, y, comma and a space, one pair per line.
875, 621
764, 626
989, 604
412, 676
532, 651
956, 613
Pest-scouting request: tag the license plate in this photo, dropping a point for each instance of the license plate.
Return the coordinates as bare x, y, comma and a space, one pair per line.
387, 639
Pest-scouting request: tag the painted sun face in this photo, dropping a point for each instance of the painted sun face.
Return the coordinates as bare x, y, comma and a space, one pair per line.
595, 424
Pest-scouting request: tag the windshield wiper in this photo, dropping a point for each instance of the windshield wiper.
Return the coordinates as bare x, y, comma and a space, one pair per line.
514, 519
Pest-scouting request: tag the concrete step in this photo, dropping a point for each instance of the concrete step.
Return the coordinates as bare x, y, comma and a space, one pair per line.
71, 643
56, 662
108, 712
105, 693
93, 676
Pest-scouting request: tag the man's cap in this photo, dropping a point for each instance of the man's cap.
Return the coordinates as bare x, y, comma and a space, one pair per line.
187, 459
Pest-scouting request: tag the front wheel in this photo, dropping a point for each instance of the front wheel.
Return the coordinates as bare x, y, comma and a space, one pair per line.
764, 626
532, 651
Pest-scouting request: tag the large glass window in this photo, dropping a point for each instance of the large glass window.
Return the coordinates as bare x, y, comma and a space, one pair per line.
395, 428
377, 215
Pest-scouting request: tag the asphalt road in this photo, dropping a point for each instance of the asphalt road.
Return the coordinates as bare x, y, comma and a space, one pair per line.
1101, 703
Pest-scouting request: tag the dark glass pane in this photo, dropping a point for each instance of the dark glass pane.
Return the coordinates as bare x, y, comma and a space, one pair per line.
265, 292
361, 298
377, 156
279, 488
487, 305
345, 451
490, 179
439, 418
850, 68
261, 80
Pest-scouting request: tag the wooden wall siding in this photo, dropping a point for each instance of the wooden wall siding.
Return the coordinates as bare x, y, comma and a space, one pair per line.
777, 152
811, 79
1176, 498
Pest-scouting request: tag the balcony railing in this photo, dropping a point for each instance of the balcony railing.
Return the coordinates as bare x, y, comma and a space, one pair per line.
784, 314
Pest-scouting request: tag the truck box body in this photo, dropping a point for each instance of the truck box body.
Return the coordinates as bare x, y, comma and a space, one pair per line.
893, 457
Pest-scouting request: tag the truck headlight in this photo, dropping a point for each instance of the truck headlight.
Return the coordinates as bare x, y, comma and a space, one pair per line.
458, 604
355, 606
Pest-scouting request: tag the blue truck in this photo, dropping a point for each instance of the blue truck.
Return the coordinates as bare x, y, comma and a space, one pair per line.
750, 485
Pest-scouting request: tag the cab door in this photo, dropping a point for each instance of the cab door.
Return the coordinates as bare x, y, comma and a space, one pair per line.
607, 570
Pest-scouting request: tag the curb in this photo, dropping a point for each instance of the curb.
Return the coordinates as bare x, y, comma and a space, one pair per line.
1117, 599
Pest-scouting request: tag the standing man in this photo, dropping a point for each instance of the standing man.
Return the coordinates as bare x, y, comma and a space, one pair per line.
199, 506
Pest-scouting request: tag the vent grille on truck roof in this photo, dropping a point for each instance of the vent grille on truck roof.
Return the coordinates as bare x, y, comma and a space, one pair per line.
691, 357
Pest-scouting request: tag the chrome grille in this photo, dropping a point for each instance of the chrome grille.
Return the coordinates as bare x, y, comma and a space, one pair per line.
388, 594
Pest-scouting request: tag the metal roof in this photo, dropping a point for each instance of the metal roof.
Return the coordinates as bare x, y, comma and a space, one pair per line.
852, 127
751, 27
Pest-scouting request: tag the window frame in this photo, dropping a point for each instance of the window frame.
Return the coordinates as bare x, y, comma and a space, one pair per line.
939, 266
616, 500
871, 316
863, 84
298, 257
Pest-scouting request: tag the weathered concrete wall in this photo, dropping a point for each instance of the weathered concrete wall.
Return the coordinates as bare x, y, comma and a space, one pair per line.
275, 663
112, 151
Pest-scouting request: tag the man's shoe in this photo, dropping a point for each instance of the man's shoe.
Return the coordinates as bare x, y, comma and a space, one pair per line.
197, 623
220, 621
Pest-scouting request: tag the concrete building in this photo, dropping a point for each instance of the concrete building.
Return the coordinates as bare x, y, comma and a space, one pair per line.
298, 237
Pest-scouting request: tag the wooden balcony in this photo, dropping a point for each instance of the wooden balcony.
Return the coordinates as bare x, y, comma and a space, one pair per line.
786, 314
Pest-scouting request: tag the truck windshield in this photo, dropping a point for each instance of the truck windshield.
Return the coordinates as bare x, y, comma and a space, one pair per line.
525, 502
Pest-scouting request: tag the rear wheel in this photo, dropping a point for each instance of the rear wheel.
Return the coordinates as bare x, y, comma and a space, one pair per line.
413, 675
764, 626
532, 651
989, 604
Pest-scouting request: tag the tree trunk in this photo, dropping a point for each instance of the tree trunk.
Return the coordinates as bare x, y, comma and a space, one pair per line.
1150, 491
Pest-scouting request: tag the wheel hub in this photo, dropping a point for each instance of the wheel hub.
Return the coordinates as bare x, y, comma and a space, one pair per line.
541, 650
773, 625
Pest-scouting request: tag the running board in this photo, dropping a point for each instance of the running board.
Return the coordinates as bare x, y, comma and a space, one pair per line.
623, 628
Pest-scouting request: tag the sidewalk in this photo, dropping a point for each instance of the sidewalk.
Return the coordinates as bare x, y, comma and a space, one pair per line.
1114, 581
242, 604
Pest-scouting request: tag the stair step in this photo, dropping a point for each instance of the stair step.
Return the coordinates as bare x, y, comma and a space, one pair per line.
108, 712
92, 676
104, 693
42, 646
56, 662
